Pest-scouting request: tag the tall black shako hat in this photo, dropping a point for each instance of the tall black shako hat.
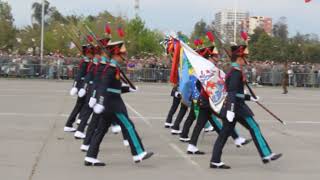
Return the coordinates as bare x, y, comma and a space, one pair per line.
117, 48
239, 51
87, 49
103, 43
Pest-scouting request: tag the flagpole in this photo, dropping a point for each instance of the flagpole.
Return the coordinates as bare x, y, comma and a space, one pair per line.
235, 22
42, 34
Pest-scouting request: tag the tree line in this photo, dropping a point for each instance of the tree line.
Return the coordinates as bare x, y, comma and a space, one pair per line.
58, 28
139, 39
278, 47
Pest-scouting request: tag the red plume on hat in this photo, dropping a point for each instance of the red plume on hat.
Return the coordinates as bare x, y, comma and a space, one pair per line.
210, 36
120, 32
107, 29
89, 38
196, 42
200, 42
244, 35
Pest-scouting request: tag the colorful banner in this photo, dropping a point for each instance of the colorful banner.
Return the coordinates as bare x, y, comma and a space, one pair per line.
185, 73
211, 77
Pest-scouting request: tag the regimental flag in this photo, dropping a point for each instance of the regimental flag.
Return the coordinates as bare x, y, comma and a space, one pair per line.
175, 48
185, 73
195, 93
211, 77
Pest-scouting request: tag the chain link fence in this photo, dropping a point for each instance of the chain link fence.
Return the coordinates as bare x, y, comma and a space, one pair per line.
64, 72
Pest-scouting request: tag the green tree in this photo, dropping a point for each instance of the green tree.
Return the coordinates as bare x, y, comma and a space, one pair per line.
56, 16
200, 30
30, 38
280, 29
37, 11
141, 40
256, 34
7, 29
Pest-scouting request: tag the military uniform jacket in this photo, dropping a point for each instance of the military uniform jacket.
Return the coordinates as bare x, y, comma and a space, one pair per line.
173, 91
235, 100
90, 74
97, 75
79, 80
203, 99
110, 90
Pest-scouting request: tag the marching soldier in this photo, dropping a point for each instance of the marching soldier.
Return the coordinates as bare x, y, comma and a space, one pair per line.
175, 129
113, 108
175, 104
205, 111
103, 64
87, 90
235, 110
193, 114
88, 53
285, 79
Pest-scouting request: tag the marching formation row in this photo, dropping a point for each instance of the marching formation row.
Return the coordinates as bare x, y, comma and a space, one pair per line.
100, 83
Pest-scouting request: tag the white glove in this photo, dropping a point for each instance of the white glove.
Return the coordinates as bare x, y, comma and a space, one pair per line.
177, 94
230, 116
254, 99
133, 90
82, 92
98, 108
92, 102
73, 91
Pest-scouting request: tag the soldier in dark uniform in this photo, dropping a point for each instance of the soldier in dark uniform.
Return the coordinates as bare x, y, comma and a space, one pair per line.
175, 129
88, 53
194, 111
174, 93
235, 110
285, 79
103, 64
175, 104
206, 113
113, 108
87, 91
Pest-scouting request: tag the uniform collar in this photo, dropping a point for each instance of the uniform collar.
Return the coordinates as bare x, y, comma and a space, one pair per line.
114, 62
104, 60
235, 65
95, 60
86, 59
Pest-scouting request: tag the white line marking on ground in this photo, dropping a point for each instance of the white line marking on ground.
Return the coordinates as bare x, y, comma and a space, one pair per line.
139, 115
184, 155
174, 147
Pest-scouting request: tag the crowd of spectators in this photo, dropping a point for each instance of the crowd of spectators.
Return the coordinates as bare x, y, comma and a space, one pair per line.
56, 66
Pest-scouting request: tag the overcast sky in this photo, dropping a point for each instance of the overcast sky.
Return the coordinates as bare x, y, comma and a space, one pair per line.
168, 15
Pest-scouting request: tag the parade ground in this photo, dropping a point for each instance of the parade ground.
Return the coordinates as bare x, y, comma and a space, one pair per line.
34, 146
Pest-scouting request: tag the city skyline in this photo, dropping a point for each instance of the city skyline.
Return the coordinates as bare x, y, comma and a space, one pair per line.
165, 16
